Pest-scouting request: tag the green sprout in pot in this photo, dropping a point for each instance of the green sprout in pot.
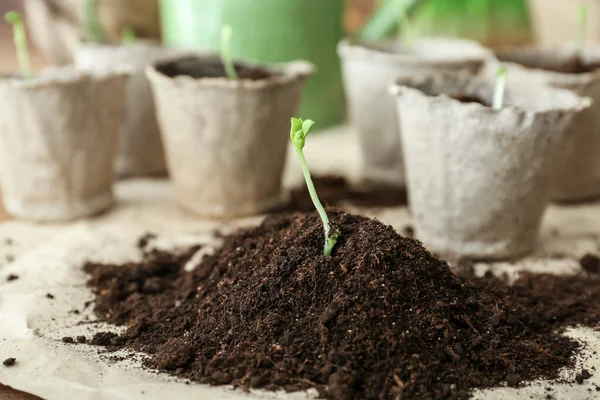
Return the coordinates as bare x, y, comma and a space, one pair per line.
583, 20
500, 88
404, 25
93, 29
226, 33
20, 43
298, 133
128, 36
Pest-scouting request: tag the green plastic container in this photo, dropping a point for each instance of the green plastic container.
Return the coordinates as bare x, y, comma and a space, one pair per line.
269, 31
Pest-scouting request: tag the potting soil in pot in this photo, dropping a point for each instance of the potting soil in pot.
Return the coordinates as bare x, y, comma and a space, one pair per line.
380, 319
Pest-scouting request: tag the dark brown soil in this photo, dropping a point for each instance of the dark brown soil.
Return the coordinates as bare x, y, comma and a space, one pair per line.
555, 299
574, 65
379, 319
199, 68
12, 277
471, 99
9, 362
336, 191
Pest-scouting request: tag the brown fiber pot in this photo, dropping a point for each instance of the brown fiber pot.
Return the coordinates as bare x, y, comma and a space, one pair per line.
140, 151
370, 68
563, 68
58, 140
56, 26
226, 141
479, 179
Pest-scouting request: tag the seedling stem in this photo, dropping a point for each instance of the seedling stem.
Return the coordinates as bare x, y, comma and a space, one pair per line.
404, 25
298, 134
583, 21
128, 36
92, 24
500, 88
226, 33
15, 19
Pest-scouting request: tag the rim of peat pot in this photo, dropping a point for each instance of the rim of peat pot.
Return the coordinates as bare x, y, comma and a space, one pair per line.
428, 50
226, 141
479, 179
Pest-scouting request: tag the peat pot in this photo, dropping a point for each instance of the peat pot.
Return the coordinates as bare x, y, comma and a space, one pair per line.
58, 138
368, 71
140, 150
480, 179
56, 26
565, 68
226, 141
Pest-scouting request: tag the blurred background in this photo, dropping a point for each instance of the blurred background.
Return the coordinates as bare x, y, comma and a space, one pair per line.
357, 12
267, 30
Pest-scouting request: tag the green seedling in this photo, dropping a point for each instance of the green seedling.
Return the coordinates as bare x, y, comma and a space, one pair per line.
500, 88
226, 33
583, 21
298, 134
128, 36
404, 24
15, 19
92, 23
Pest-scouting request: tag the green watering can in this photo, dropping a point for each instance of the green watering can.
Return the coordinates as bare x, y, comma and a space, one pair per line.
283, 30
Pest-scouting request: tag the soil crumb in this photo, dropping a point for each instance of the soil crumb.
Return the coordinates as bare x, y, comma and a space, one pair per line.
12, 277
49, 296
379, 319
9, 362
145, 240
335, 191
590, 263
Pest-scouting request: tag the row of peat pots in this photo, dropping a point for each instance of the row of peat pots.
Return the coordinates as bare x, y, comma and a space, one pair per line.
478, 178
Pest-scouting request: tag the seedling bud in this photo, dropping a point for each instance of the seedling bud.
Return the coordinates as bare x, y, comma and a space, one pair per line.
15, 19
226, 33
583, 20
298, 133
128, 36
404, 25
500, 88
92, 23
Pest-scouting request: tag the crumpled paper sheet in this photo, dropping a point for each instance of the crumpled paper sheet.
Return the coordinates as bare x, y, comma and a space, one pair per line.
49, 259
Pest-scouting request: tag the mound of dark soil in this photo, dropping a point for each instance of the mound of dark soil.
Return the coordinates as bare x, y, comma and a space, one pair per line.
379, 319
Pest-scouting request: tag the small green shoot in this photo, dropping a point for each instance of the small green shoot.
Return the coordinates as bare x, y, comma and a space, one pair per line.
15, 19
92, 23
500, 88
404, 25
128, 36
583, 21
226, 33
298, 134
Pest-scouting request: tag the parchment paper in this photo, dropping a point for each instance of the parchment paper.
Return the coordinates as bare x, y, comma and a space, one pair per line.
49, 259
